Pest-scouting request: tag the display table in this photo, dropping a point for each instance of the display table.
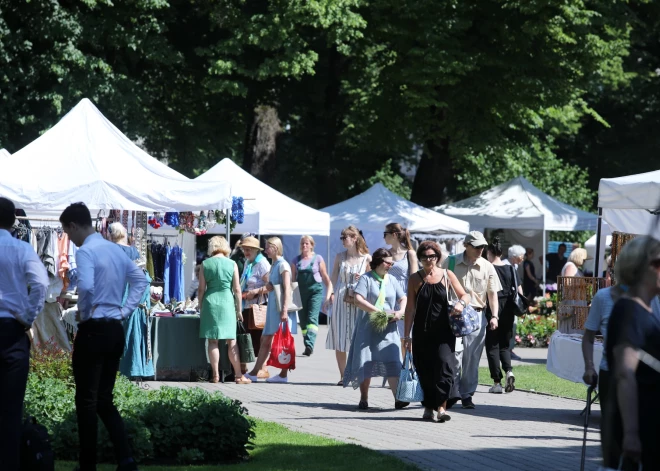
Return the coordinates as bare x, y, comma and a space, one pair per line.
178, 352
565, 356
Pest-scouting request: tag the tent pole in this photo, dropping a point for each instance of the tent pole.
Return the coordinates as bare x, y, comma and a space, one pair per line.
544, 251
228, 225
598, 236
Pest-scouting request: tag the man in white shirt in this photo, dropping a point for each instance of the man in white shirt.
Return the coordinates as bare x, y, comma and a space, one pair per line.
23, 285
104, 270
479, 279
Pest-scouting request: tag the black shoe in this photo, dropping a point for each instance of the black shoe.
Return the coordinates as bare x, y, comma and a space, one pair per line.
363, 405
400, 404
451, 402
308, 352
467, 403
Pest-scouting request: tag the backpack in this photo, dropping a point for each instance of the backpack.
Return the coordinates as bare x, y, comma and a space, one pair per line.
36, 450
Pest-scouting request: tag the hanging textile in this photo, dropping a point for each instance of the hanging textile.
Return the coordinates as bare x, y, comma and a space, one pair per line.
48, 328
136, 361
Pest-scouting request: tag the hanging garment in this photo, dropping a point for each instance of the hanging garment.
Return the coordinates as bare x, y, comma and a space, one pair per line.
176, 274
136, 361
48, 328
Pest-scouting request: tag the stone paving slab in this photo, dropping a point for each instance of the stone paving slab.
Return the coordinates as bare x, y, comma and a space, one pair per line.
518, 431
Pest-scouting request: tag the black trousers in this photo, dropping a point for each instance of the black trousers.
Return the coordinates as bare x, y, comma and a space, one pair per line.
14, 367
603, 390
97, 349
498, 344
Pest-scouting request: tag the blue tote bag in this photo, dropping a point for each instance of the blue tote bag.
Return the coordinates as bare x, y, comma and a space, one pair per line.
409, 389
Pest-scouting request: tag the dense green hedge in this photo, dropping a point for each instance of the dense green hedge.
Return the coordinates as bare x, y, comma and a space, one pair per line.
165, 425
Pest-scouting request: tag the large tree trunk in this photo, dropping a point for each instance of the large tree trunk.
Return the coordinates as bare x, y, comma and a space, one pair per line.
261, 142
434, 174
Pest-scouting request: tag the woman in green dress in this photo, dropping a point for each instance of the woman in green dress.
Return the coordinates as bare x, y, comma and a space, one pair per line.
220, 308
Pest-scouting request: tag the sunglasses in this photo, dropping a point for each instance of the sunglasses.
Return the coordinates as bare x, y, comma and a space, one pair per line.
389, 264
343, 238
428, 258
386, 233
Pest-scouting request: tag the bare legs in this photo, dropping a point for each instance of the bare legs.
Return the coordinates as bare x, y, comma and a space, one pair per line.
364, 387
235, 359
214, 358
264, 351
341, 362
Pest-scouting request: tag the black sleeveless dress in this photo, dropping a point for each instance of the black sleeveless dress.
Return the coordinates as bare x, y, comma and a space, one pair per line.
433, 344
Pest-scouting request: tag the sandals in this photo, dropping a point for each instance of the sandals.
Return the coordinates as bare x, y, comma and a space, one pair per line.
443, 417
363, 405
215, 379
340, 383
243, 380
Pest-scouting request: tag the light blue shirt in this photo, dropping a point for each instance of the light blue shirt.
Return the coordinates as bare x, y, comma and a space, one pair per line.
599, 316
103, 271
23, 280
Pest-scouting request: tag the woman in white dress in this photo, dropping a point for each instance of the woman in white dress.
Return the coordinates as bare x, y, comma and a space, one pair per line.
575, 263
348, 267
405, 264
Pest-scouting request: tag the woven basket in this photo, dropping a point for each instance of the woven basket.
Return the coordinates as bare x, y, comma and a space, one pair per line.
619, 239
574, 295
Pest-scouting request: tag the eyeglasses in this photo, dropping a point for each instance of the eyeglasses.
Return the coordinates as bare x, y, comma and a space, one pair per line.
389, 264
428, 258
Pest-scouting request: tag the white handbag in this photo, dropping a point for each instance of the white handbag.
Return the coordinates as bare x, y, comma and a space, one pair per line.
296, 301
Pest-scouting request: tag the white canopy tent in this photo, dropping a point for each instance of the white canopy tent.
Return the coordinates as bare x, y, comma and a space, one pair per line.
267, 211
590, 246
628, 204
373, 209
519, 205
4, 153
85, 158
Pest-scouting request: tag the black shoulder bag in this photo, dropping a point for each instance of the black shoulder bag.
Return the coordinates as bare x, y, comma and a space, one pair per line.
520, 302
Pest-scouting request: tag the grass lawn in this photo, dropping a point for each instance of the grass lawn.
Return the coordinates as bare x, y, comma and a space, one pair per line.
537, 378
279, 449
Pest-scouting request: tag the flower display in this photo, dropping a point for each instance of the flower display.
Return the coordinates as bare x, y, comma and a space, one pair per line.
535, 330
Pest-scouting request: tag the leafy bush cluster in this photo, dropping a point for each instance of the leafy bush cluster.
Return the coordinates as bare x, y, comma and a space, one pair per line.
48, 360
164, 425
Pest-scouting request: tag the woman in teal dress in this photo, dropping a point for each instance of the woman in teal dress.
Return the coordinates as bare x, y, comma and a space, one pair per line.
220, 308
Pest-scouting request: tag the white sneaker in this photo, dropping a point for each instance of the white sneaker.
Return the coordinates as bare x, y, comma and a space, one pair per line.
510, 382
496, 389
277, 379
254, 379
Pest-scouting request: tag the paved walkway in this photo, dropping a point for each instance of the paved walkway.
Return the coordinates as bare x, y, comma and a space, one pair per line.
518, 431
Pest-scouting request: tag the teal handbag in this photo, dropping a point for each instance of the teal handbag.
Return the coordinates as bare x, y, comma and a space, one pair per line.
409, 388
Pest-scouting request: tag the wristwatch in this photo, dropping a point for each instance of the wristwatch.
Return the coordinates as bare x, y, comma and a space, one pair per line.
463, 303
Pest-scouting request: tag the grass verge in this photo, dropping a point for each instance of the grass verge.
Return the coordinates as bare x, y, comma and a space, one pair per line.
280, 449
536, 378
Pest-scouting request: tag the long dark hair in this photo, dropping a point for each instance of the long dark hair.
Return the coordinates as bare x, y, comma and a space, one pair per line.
495, 247
402, 235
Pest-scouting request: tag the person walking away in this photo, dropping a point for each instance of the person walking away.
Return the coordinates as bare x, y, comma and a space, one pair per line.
498, 340
629, 431
221, 306
103, 272
433, 343
515, 257
349, 265
555, 262
479, 279
309, 270
405, 263
575, 263
374, 353
23, 286
530, 282
253, 286
280, 274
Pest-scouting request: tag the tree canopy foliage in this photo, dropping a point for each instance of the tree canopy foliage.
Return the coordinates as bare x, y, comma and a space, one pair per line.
323, 98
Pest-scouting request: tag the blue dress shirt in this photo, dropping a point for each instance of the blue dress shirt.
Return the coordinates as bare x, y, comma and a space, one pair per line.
23, 280
103, 272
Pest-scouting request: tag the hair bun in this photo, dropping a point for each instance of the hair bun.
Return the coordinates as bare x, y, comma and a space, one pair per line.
496, 240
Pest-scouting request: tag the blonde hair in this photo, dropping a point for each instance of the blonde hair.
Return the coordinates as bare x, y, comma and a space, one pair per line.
277, 243
634, 259
117, 232
578, 256
308, 238
360, 243
218, 244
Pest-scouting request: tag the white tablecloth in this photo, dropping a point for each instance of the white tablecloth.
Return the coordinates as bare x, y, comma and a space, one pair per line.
565, 356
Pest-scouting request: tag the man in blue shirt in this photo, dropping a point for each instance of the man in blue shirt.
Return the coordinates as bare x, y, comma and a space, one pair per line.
103, 272
23, 285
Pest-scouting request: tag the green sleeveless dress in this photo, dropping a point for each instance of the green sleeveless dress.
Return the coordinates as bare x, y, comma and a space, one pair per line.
218, 315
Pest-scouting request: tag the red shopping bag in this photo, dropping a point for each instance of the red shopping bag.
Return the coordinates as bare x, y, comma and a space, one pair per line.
283, 351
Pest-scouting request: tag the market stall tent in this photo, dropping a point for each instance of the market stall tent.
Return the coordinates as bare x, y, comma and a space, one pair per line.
84, 157
373, 209
267, 211
4, 153
519, 205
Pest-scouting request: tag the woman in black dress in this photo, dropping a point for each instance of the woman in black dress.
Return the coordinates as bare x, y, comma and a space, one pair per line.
630, 428
530, 283
433, 341
498, 341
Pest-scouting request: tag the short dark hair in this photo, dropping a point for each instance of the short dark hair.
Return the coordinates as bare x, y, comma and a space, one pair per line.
76, 213
7, 213
429, 245
562, 245
378, 257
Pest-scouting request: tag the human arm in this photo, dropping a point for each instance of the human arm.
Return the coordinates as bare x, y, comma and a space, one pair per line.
571, 270
294, 271
460, 293
85, 264
37, 280
137, 284
367, 262
528, 272
413, 264
494, 287
236, 286
414, 283
334, 278
286, 295
401, 300
202, 287
361, 293
591, 326
327, 282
